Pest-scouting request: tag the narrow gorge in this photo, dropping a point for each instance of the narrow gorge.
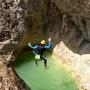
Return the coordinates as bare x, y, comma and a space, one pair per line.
67, 22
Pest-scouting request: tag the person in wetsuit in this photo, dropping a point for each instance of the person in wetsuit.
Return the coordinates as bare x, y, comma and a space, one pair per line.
39, 50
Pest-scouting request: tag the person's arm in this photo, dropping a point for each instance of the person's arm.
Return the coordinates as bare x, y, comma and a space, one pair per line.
49, 44
33, 47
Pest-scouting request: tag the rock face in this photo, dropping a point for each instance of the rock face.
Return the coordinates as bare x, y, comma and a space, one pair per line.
77, 7
11, 28
67, 22
9, 80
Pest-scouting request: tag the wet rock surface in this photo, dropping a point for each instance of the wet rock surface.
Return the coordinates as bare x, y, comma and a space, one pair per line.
78, 65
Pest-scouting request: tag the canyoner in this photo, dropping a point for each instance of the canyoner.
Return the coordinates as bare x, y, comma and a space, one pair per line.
39, 49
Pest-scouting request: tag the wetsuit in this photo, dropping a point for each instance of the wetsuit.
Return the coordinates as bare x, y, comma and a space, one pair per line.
39, 49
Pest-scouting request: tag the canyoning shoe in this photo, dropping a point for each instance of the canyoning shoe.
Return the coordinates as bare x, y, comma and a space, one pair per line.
45, 67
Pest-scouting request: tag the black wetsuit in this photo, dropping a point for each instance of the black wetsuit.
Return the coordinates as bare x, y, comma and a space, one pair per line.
39, 49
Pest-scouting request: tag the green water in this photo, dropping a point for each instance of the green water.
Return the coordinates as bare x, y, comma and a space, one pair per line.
39, 78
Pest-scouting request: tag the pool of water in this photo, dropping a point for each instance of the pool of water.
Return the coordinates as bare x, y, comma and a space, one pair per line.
55, 77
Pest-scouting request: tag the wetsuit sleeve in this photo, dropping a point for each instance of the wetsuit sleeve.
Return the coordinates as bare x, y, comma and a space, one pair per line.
33, 47
48, 46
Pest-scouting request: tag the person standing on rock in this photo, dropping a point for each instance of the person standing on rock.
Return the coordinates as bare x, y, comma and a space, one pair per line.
38, 50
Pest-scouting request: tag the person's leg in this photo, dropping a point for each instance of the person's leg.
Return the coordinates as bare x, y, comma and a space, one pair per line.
35, 59
45, 61
36, 62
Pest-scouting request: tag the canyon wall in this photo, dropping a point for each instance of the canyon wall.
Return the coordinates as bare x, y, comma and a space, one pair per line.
67, 22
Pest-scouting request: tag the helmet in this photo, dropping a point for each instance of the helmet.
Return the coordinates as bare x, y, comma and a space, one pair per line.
43, 42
